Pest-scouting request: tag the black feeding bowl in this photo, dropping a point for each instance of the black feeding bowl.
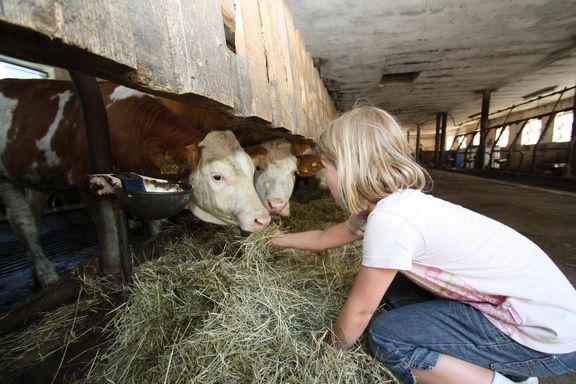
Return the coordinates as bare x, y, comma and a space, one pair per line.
154, 205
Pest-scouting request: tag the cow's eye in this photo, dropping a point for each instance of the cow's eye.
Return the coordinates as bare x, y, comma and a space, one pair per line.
217, 177
258, 169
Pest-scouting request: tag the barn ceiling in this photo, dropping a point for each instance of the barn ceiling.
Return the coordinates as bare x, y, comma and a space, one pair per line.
439, 54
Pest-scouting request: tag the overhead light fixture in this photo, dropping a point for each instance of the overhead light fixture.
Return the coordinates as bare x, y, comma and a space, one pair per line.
398, 78
539, 92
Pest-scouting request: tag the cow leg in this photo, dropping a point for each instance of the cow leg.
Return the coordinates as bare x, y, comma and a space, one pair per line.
21, 217
37, 201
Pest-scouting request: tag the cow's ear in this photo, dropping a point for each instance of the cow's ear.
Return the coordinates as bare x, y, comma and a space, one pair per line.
170, 158
257, 152
192, 153
309, 165
300, 149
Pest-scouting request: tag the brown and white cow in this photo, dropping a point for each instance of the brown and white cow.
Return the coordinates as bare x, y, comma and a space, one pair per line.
277, 160
43, 146
277, 164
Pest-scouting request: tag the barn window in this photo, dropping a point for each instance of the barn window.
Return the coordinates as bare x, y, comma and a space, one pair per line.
476, 139
562, 127
503, 140
14, 71
531, 132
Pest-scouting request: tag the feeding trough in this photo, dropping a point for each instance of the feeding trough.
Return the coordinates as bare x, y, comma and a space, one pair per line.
143, 197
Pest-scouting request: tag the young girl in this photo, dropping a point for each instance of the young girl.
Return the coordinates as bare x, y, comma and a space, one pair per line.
483, 304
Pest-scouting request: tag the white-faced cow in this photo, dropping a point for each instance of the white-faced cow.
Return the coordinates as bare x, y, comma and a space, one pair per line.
277, 164
277, 160
43, 146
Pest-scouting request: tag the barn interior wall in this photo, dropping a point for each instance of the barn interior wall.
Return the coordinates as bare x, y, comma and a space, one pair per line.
549, 153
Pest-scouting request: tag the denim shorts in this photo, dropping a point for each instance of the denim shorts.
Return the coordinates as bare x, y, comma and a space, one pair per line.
419, 327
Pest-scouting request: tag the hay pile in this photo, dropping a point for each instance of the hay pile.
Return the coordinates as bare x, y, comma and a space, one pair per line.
223, 309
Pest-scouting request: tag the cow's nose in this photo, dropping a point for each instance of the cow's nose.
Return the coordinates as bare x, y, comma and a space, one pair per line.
276, 205
261, 221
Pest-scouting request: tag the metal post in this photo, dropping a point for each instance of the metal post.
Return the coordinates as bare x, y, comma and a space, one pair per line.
483, 129
110, 219
437, 140
443, 121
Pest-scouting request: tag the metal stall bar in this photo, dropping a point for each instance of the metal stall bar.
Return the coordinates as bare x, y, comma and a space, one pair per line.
549, 122
513, 144
109, 217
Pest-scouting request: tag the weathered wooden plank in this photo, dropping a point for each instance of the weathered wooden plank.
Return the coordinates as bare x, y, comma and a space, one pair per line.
306, 96
101, 29
279, 20
155, 60
199, 50
313, 100
295, 68
276, 70
177, 48
228, 14
253, 92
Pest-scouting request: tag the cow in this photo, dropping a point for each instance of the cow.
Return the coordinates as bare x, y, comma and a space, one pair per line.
43, 147
277, 160
277, 163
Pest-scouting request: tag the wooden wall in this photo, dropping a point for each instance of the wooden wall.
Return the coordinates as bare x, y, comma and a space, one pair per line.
240, 56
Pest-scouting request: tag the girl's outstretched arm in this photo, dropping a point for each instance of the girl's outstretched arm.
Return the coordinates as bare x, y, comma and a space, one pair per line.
319, 240
368, 290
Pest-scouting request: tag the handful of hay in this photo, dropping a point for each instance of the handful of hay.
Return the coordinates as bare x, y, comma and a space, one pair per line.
245, 314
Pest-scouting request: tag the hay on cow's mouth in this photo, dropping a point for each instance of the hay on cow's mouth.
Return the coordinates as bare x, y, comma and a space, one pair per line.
245, 314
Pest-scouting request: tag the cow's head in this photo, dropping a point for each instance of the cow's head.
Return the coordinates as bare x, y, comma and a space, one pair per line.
223, 184
276, 168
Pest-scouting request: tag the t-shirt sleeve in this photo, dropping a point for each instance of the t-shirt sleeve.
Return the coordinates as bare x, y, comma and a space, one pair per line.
390, 241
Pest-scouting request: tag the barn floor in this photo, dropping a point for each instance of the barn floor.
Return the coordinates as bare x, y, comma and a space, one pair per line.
68, 238
544, 212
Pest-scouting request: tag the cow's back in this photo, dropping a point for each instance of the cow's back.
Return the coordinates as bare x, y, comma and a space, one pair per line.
43, 143
41, 140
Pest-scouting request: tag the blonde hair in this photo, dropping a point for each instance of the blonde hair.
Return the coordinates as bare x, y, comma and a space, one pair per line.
372, 157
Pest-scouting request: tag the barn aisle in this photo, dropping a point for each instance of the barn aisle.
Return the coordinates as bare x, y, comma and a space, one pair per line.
546, 216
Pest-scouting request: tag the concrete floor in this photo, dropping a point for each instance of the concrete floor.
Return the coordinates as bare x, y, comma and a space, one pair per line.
545, 215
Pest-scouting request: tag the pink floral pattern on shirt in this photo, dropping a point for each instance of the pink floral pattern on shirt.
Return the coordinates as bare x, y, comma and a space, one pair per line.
496, 308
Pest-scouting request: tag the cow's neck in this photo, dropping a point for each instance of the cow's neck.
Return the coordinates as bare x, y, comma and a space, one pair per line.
208, 217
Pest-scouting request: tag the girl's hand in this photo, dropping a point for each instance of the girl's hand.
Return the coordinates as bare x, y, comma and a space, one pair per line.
276, 238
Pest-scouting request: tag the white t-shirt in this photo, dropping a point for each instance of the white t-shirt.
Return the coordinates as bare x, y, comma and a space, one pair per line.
461, 255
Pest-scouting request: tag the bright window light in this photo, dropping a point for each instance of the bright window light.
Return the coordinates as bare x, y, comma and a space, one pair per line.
531, 132
562, 127
476, 140
13, 71
449, 142
503, 140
